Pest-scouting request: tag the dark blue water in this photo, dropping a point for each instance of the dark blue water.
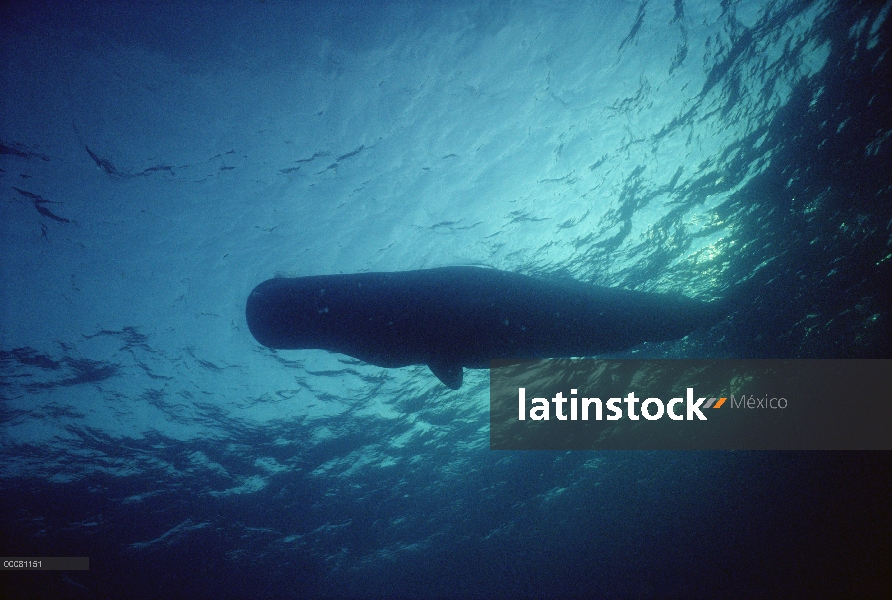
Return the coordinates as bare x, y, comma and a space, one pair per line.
158, 162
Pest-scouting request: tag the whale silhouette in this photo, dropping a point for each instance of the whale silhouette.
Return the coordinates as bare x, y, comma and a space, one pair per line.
454, 317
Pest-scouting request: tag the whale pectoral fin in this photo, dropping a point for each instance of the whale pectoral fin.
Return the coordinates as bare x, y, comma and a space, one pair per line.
451, 374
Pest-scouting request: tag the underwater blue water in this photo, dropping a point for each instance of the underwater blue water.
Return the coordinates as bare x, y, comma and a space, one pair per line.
158, 161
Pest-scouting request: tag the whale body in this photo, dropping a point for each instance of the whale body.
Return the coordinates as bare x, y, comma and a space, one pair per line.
455, 317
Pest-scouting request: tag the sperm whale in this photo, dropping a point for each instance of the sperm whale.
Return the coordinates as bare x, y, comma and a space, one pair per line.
452, 318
